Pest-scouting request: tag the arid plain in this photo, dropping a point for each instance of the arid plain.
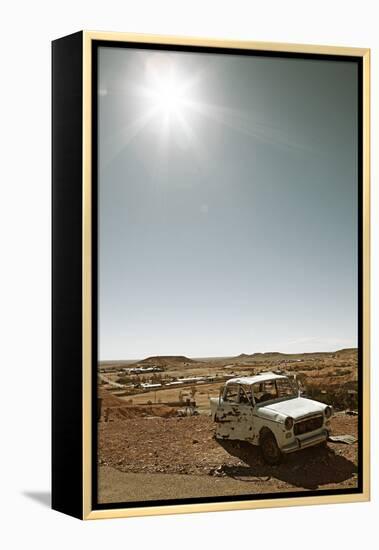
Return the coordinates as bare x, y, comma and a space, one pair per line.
156, 435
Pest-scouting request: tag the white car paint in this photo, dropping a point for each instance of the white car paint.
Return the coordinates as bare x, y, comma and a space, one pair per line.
245, 421
298, 407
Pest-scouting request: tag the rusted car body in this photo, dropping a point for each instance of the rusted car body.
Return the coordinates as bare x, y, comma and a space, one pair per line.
267, 410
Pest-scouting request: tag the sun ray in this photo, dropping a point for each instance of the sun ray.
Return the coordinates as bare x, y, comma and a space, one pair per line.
169, 100
192, 139
118, 141
245, 123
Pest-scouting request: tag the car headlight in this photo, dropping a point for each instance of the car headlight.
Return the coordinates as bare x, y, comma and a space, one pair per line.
288, 423
328, 412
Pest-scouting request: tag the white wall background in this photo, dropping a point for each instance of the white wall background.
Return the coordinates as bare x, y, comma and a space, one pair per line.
26, 31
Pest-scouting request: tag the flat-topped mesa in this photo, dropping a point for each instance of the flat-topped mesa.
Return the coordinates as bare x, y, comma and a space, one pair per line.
164, 360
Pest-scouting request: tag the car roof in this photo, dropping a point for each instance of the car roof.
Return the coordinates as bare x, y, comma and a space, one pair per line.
249, 380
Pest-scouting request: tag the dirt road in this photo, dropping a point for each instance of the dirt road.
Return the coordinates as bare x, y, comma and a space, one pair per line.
116, 486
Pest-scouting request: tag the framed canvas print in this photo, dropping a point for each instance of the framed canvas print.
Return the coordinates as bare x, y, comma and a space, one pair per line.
210, 275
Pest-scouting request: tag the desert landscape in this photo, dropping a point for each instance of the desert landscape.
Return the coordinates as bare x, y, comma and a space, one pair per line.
156, 437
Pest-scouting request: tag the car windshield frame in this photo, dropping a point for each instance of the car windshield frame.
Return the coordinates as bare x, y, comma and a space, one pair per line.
275, 381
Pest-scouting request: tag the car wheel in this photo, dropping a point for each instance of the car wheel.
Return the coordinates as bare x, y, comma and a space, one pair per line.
270, 450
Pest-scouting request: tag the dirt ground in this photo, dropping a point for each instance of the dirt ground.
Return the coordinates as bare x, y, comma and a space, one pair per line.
153, 458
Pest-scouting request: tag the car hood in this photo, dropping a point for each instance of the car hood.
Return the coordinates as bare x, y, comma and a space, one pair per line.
297, 408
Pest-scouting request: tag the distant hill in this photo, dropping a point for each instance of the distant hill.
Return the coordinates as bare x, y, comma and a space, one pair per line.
277, 354
260, 356
180, 360
162, 360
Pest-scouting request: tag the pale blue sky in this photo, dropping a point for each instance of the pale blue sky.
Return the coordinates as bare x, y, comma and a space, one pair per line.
227, 221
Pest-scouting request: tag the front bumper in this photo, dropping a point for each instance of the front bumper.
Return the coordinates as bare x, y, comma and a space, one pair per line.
305, 442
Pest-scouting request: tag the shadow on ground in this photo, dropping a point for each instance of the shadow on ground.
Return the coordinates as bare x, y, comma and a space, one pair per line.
308, 469
42, 497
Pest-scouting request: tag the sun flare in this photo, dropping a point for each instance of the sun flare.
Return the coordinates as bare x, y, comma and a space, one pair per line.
168, 97
167, 93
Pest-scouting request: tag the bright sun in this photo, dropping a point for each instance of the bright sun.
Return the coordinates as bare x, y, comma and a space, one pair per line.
168, 104
171, 105
168, 97
166, 90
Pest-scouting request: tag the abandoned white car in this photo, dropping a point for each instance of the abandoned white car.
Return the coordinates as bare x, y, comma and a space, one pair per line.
267, 410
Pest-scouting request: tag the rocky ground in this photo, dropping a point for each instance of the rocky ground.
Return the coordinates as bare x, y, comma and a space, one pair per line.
177, 446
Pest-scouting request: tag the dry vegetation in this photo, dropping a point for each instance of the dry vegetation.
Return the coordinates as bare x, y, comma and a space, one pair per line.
146, 430
331, 377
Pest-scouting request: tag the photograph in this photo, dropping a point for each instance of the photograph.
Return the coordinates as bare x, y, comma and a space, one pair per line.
228, 214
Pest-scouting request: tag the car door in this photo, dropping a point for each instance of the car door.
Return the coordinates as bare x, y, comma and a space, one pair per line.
227, 412
244, 426
234, 414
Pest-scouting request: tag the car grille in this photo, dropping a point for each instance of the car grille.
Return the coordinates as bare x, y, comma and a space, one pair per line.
308, 425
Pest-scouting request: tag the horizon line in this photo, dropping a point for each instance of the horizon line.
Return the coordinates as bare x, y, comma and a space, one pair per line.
228, 356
